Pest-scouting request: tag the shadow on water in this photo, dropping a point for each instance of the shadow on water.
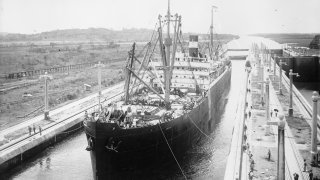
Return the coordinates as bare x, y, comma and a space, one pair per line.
206, 159
307, 88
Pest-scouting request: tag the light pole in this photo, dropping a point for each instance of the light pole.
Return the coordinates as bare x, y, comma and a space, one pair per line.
280, 71
46, 77
267, 99
269, 57
291, 74
262, 73
267, 93
261, 67
99, 66
315, 97
274, 68
281, 147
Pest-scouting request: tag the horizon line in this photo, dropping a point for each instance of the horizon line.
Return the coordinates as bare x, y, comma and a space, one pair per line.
132, 28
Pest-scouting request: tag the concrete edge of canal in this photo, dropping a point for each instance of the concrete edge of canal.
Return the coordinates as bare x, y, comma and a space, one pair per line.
233, 167
23, 150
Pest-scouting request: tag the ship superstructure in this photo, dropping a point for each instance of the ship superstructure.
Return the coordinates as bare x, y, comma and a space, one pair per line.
192, 71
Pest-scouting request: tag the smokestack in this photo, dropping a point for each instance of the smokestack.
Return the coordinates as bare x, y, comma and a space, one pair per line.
193, 46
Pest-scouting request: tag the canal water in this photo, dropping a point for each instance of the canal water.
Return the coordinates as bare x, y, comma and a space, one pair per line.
206, 160
306, 89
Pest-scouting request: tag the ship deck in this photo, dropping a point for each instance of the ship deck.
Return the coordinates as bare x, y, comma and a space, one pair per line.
145, 110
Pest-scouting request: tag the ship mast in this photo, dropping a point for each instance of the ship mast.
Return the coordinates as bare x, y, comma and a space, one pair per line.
128, 73
211, 33
167, 44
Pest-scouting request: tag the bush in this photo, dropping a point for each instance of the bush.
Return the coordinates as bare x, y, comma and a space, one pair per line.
111, 82
71, 96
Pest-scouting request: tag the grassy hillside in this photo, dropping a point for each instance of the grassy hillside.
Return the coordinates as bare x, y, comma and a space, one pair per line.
92, 35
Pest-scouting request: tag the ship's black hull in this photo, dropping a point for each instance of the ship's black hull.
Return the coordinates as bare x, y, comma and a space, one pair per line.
143, 147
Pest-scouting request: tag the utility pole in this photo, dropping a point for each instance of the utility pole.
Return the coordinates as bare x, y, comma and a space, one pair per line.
262, 80
262, 67
267, 99
269, 57
280, 71
267, 82
281, 146
315, 97
46, 77
274, 68
99, 66
291, 74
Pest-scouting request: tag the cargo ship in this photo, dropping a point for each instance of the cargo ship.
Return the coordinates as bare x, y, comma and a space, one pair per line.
169, 102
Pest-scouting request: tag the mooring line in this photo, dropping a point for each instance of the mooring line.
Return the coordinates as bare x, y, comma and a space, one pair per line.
199, 129
185, 177
72, 130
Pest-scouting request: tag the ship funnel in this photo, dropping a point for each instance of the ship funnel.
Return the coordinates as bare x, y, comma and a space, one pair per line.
193, 46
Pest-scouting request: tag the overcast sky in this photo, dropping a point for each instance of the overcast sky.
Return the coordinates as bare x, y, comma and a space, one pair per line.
232, 16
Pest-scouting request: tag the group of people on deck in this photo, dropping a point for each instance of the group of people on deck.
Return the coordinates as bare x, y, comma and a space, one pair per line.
113, 115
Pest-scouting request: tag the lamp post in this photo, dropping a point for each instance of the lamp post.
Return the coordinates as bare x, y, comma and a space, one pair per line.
274, 68
269, 56
291, 74
261, 67
46, 77
315, 97
281, 147
99, 66
267, 82
262, 72
280, 71
267, 99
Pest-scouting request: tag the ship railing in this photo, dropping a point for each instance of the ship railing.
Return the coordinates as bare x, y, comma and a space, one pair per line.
197, 59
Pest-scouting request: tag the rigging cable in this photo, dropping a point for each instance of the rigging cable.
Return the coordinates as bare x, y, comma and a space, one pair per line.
185, 177
199, 129
66, 132
149, 44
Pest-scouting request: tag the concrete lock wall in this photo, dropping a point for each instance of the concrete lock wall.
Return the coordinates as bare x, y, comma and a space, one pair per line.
277, 52
308, 67
30, 149
318, 69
